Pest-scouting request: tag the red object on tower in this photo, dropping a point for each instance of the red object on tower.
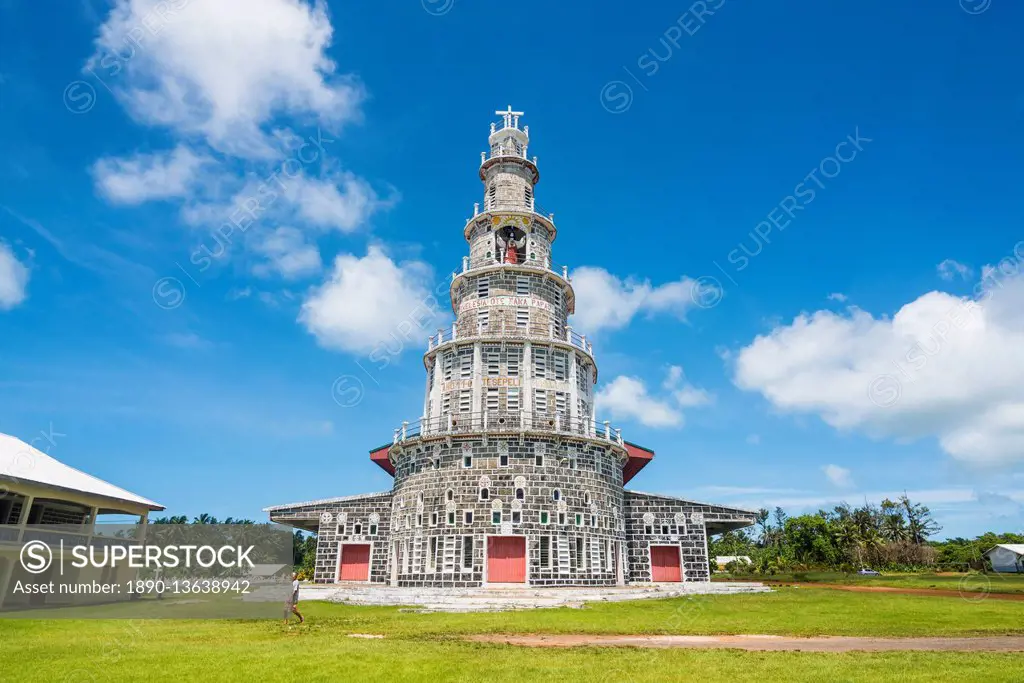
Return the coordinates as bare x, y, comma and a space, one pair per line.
510, 253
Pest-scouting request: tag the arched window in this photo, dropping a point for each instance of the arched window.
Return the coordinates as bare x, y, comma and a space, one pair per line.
520, 494
485, 493
586, 498
449, 495
556, 495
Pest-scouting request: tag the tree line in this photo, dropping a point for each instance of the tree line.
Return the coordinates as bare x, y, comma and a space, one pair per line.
893, 535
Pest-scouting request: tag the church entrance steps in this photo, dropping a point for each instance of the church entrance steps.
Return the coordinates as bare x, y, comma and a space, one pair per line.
497, 598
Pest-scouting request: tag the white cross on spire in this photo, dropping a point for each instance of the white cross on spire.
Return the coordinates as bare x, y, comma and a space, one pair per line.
511, 117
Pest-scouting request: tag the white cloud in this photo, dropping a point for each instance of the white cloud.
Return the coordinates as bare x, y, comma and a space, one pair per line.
144, 177
627, 398
838, 476
603, 301
950, 270
943, 366
287, 253
14, 277
685, 394
372, 300
187, 340
837, 296
224, 70
342, 202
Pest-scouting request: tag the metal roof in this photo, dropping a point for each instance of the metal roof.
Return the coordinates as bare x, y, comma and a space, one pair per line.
20, 461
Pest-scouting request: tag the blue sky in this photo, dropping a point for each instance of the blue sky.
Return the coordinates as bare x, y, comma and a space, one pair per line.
765, 342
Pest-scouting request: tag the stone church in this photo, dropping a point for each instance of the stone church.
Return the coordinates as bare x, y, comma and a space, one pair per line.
507, 477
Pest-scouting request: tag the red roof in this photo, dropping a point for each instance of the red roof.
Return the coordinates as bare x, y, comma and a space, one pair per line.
638, 459
380, 457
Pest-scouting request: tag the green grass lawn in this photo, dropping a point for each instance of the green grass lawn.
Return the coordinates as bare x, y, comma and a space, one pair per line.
994, 583
428, 646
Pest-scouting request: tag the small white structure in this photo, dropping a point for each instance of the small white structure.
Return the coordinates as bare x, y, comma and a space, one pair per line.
1007, 558
723, 560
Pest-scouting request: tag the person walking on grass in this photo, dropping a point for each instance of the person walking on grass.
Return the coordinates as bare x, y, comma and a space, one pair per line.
292, 606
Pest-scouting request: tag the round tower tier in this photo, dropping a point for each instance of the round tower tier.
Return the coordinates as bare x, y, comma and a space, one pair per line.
526, 165
558, 275
450, 495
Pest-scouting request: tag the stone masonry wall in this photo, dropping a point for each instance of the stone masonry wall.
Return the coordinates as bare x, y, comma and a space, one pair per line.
431, 483
338, 518
663, 520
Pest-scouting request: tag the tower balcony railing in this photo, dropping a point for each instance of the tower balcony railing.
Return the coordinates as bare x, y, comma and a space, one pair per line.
494, 422
543, 264
509, 330
497, 206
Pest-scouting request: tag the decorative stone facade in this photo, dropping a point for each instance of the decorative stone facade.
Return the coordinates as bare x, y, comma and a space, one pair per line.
507, 477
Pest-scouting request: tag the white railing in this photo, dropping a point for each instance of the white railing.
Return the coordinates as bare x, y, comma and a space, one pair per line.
509, 330
544, 264
515, 421
497, 206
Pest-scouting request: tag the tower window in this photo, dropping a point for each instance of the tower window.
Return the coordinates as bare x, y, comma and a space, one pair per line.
517, 516
544, 518
493, 363
540, 401
485, 493
467, 552
467, 461
373, 529
559, 359
540, 363
522, 285
503, 460
513, 400
482, 319
528, 196
451, 519
449, 495
512, 361
522, 317
545, 552
561, 518
495, 516
556, 495
520, 494
483, 287
357, 529
467, 516
433, 519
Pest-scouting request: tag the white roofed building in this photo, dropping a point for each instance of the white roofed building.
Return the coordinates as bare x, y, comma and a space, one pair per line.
1007, 557
37, 489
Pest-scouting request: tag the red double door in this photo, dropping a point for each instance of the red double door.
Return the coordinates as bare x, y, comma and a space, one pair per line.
506, 559
354, 563
665, 563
